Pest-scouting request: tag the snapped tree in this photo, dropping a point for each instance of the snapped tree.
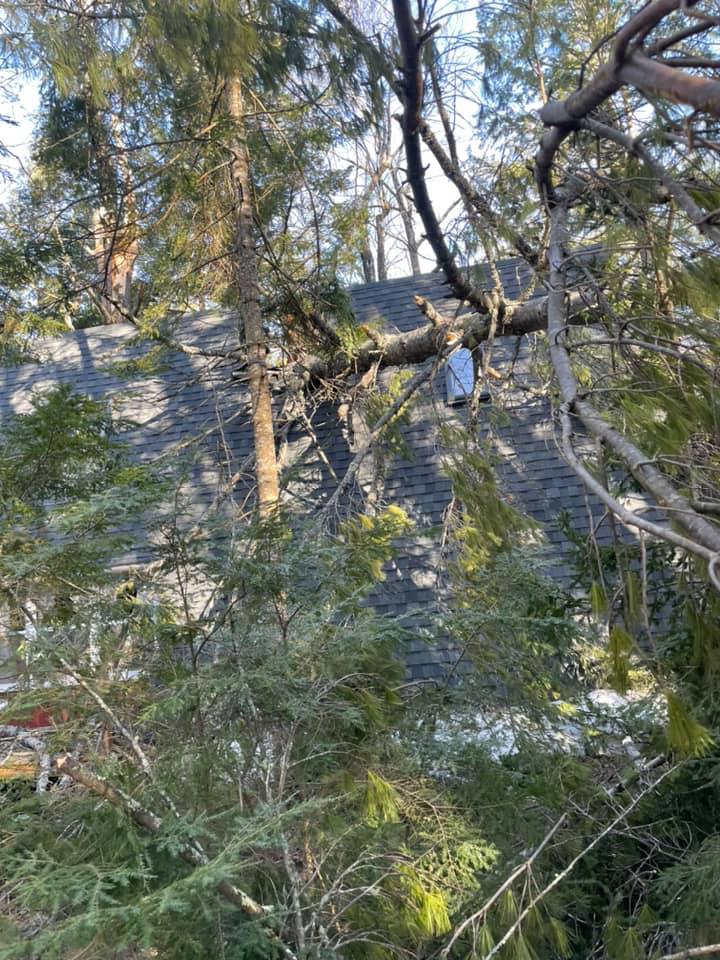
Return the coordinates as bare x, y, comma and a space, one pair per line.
311, 810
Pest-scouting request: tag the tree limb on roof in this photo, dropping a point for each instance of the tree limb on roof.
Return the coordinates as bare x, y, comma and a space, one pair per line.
424, 342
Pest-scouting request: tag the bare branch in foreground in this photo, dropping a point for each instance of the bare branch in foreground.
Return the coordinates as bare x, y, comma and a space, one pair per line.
707, 951
559, 877
191, 853
524, 867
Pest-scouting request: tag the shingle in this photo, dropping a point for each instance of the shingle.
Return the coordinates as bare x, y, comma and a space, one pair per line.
189, 406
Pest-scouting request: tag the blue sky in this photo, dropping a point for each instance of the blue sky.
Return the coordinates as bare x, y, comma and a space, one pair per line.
18, 101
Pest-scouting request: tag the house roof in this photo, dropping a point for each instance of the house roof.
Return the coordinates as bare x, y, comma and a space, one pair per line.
193, 402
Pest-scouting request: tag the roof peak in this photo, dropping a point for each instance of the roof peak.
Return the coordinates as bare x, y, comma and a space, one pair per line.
437, 275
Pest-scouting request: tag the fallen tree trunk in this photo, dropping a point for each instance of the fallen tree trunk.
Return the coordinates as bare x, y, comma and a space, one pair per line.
426, 341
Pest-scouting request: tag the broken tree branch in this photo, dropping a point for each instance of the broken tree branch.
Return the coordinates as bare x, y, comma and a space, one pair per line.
191, 853
698, 535
421, 343
38, 746
707, 951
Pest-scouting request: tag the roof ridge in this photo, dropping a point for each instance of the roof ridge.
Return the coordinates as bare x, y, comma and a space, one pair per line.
437, 274
102, 338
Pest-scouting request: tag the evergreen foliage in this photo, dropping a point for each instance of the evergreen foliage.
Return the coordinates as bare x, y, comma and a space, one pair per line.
225, 758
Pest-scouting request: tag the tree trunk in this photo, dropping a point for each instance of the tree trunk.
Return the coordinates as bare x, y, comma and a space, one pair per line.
115, 250
380, 240
406, 216
368, 264
114, 243
246, 279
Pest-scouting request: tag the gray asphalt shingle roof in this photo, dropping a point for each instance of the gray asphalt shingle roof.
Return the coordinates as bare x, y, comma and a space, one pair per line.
195, 402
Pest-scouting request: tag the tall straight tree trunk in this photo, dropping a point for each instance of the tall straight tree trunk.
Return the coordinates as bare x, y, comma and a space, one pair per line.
246, 280
368, 264
406, 216
114, 243
380, 238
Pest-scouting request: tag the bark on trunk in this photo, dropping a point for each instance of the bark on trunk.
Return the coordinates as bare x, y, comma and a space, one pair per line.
246, 279
114, 245
406, 216
115, 251
368, 264
380, 238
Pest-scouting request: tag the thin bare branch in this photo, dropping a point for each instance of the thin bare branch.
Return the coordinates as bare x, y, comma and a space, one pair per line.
562, 874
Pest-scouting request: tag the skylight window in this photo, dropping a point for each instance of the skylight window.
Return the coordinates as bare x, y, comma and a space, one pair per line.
459, 376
